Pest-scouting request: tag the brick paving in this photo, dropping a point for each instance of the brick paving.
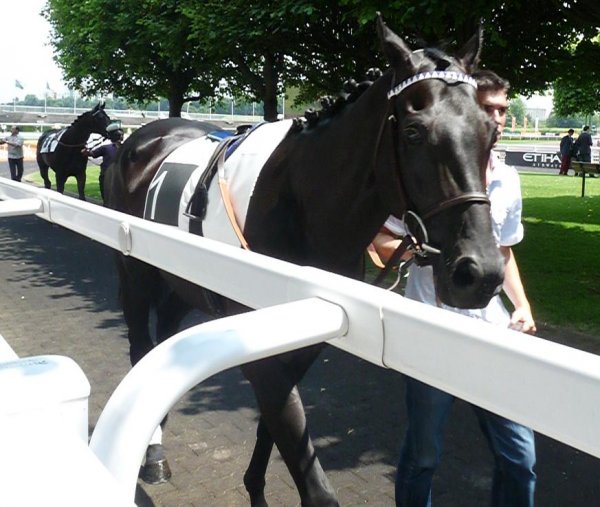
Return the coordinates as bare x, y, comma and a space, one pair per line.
58, 296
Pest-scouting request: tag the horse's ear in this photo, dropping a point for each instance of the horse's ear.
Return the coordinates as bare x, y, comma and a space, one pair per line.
101, 104
469, 53
398, 54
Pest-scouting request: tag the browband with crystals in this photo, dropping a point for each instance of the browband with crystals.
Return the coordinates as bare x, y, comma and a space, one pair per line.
433, 74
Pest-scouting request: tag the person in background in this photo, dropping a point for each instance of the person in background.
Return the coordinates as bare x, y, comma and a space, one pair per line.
108, 151
584, 145
566, 145
512, 444
15, 153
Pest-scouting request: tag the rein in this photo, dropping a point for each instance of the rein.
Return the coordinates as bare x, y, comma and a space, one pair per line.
66, 145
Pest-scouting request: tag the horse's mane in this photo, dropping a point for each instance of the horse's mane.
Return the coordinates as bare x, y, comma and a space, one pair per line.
330, 106
79, 117
352, 89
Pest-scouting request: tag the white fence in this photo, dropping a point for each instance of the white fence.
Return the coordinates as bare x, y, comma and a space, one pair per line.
550, 387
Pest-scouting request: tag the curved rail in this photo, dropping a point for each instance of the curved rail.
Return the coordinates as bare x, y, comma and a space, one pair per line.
167, 372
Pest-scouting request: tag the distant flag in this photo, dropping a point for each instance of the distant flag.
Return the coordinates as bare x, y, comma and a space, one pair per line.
18, 84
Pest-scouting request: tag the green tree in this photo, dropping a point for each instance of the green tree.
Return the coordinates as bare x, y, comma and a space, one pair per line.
578, 91
182, 49
137, 49
516, 108
525, 42
269, 47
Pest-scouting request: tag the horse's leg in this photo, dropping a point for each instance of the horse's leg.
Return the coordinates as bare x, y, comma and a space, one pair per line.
254, 478
138, 286
61, 179
81, 177
274, 381
44, 172
169, 313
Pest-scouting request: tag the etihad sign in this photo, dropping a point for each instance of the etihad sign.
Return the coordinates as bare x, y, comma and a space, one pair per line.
541, 158
532, 159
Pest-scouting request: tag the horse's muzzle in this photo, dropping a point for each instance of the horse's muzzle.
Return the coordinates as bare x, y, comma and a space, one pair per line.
471, 282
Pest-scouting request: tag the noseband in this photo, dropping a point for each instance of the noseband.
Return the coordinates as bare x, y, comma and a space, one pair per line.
448, 77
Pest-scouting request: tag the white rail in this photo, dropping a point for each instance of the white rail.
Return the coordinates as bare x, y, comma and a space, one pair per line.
550, 387
192, 356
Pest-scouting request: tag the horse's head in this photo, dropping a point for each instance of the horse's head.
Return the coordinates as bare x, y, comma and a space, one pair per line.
98, 120
442, 141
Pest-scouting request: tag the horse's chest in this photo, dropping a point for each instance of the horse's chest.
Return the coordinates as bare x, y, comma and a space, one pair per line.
177, 179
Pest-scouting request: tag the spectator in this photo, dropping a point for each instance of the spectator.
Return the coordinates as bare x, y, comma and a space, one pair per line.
512, 445
566, 145
15, 153
584, 145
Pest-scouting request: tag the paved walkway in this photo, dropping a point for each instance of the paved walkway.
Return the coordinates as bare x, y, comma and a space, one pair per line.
58, 296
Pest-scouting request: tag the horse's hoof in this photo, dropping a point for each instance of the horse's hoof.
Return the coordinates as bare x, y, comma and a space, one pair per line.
156, 469
156, 473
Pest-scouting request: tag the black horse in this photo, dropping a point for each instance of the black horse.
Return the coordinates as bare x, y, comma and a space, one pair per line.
413, 140
61, 149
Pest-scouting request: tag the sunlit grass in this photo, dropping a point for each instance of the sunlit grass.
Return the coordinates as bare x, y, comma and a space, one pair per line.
559, 257
92, 187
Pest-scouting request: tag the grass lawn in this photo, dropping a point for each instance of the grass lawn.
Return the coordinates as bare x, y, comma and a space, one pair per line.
92, 187
559, 257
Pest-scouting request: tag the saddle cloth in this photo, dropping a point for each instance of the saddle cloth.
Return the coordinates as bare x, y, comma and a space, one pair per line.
51, 141
175, 182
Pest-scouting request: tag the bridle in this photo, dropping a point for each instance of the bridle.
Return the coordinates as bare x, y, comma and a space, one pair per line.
417, 241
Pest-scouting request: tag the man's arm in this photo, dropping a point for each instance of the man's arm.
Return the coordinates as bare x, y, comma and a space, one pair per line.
19, 142
521, 317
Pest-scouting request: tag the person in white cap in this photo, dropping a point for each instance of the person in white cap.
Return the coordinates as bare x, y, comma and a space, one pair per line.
108, 151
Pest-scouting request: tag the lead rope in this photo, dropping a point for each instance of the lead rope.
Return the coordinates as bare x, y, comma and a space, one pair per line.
407, 244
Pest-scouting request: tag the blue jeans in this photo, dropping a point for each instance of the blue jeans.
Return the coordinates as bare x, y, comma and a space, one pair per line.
16, 168
512, 445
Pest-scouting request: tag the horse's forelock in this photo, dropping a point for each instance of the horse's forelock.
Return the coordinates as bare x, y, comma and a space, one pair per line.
441, 60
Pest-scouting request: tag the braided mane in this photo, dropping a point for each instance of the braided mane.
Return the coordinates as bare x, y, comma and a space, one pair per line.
330, 105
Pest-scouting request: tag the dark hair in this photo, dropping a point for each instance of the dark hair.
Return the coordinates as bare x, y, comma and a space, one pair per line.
587, 127
571, 131
490, 81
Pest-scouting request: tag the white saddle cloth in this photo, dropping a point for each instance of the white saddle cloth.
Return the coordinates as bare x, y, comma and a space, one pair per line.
51, 141
240, 171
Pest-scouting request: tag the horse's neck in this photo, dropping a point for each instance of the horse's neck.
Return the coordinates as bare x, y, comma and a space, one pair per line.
77, 132
349, 175
333, 181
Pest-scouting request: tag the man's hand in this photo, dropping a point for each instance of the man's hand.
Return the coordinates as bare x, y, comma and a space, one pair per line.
522, 320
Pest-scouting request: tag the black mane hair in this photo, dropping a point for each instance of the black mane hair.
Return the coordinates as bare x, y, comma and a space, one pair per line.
330, 105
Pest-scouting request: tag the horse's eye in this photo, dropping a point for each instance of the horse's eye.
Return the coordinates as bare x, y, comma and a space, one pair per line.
413, 134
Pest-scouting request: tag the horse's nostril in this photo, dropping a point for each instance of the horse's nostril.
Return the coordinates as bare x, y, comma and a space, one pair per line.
466, 274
